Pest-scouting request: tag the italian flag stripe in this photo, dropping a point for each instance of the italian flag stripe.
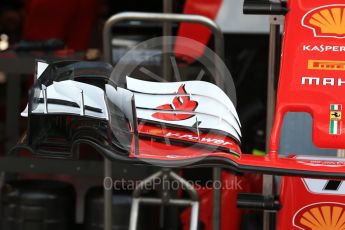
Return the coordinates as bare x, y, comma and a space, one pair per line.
336, 107
334, 127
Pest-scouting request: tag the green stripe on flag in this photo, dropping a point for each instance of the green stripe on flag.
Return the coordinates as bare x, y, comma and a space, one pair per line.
335, 107
334, 127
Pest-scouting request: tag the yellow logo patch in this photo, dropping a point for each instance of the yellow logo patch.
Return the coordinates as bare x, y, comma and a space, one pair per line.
335, 115
326, 65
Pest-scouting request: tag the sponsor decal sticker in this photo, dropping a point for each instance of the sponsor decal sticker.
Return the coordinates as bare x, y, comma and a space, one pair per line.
190, 137
326, 65
179, 103
323, 48
323, 186
335, 119
320, 216
326, 21
332, 162
325, 81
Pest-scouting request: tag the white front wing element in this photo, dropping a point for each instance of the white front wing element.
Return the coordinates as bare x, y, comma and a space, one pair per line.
72, 91
214, 108
194, 88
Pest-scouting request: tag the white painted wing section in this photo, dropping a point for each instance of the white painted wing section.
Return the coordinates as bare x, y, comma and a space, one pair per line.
207, 122
25, 112
318, 186
40, 68
93, 96
69, 91
122, 98
206, 106
197, 88
64, 109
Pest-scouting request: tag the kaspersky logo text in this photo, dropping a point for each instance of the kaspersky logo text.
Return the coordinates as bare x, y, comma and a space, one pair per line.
323, 48
327, 81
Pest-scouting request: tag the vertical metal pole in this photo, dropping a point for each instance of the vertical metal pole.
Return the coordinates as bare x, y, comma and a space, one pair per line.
273, 65
133, 222
108, 193
167, 48
166, 68
194, 216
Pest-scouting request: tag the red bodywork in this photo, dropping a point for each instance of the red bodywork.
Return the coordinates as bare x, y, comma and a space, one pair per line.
308, 210
312, 69
313, 47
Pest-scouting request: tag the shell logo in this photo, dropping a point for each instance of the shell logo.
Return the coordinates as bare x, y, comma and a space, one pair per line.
326, 21
321, 216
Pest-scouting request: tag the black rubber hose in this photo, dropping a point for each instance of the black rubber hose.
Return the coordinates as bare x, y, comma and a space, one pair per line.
264, 7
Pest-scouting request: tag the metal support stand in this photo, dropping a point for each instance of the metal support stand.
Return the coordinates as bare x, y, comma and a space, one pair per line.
108, 196
167, 33
164, 175
273, 72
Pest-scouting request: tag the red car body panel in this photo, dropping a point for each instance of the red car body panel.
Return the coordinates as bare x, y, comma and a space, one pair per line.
304, 209
313, 47
312, 70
